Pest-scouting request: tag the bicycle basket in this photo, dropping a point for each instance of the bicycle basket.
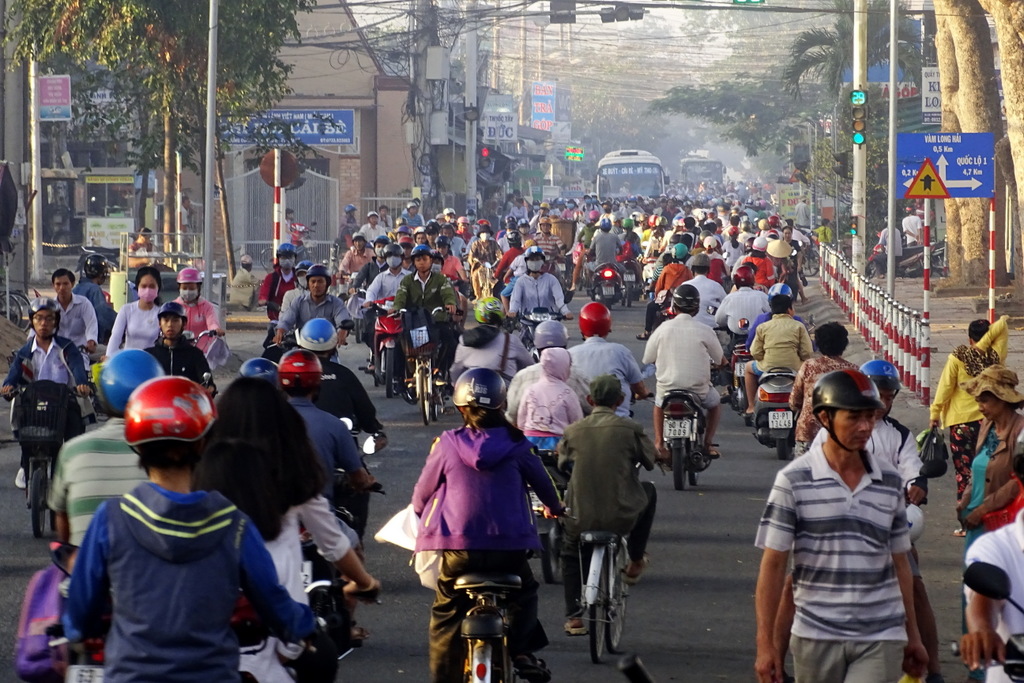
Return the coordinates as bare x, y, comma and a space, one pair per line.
420, 335
42, 412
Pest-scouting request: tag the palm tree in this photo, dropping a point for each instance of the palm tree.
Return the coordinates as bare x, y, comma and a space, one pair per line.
824, 54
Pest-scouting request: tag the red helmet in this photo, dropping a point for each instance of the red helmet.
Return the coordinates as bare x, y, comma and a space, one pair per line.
483, 223
744, 277
167, 409
299, 370
774, 221
595, 320
652, 220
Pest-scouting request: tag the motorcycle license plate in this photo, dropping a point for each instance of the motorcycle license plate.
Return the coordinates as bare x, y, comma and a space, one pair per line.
629, 277
678, 429
84, 674
608, 291
535, 503
780, 419
740, 369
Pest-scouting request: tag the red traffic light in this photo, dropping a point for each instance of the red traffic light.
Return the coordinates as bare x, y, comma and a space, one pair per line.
485, 152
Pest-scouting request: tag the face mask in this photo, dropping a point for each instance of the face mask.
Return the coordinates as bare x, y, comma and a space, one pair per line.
246, 267
188, 295
394, 261
286, 263
435, 268
484, 236
147, 294
534, 265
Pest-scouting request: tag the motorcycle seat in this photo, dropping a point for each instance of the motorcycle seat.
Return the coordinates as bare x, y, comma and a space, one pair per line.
599, 537
677, 394
775, 373
477, 581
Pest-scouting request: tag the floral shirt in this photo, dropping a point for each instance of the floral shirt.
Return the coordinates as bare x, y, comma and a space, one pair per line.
807, 425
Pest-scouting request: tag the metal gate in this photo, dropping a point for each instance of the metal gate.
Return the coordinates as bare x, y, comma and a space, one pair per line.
314, 199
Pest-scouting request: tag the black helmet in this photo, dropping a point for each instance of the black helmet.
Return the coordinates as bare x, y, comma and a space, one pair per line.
45, 303
845, 390
393, 250
479, 387
172, 308
514, 238
686, 298
95, 266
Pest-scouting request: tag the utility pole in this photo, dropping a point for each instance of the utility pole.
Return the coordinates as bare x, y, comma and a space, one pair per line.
472, 120
890, 251
860, 152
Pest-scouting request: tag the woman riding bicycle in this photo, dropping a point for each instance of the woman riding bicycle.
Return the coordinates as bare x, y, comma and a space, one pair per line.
471, 497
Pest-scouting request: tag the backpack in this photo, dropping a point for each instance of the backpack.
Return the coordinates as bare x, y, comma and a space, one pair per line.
34, 660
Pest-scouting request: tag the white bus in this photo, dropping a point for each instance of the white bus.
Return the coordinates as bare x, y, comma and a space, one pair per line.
695, 170
628, 172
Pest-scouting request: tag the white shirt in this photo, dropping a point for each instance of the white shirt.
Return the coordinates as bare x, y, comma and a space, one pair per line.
138, 329
711, 295
48, 364
77, 321
1004, 548
912, 227
745, 303
674, 348
886, 443
385, 285
597, 356
803, 215
732, 254
371, 233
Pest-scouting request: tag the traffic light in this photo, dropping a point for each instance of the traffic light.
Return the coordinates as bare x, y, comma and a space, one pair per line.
853, 227
842, 166
485, 152
859, 114
563, 11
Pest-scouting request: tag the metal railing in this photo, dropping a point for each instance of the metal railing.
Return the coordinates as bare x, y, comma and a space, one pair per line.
892, 330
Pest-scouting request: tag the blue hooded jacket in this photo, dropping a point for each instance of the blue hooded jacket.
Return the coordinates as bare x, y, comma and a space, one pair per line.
471, 494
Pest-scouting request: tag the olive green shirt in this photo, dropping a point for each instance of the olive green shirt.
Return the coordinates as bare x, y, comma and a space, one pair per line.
434, 293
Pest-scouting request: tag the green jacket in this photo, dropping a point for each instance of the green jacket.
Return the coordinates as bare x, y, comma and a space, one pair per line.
437, 293
604, 491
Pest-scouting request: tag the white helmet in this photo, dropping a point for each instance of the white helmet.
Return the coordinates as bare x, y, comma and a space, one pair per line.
915, 520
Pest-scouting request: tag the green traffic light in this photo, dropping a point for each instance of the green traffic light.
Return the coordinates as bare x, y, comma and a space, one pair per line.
858, 138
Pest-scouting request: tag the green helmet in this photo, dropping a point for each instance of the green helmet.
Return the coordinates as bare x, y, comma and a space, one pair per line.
489, 311
627, 224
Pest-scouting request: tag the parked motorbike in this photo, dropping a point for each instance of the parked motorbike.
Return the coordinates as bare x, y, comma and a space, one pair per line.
773, 419
910, 263
606, 285
683, 428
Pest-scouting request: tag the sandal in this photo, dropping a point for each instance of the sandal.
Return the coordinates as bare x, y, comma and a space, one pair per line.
530, 668
358, 633
643, 336
960, 533
713, 453
575, 627
631, 578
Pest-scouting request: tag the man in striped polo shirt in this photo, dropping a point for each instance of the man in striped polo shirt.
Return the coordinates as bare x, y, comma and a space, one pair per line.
841, 513
99, 464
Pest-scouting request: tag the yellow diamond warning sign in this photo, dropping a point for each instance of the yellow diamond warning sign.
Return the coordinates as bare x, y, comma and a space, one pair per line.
927, 184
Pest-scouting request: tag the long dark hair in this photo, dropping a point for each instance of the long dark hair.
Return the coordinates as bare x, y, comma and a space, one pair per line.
255, 410
243, 472
478, 417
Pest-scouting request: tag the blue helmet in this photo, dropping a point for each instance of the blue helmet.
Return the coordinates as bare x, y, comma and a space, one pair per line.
779, 289
286, 249
479, 387
883, 373
303, 265
318, 335
350, 207
172, 308
605, 224
534, 251
318, 271
260, 368
421, 250
122, 374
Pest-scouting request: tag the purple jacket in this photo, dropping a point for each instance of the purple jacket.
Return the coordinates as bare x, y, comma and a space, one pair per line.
471, 494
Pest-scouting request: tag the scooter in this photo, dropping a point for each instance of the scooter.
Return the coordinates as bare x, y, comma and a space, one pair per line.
388, 359
993, 582
910, 263
773, 419
683, 427
528, 324
606, 285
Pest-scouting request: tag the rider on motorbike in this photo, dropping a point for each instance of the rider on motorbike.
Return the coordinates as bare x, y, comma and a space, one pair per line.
671, 349
711, 293
598, 356
94, 274
175, 355
605, 246
537, 289
316, 303
482, 250
202, 315
488, 346
744, 303
429, 290
282, 279
781, 342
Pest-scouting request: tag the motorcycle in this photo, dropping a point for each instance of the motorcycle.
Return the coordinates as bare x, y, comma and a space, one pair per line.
773, 419
992, 582
910, 263
606, 285
683, 427
388, 359
631, 285
528, 324
738, 360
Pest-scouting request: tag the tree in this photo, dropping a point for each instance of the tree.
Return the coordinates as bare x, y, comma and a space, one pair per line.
824, 55
745, 111
153, 54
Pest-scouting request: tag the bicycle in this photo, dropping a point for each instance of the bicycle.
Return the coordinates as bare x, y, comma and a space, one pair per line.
18, 310
604, 592
485, 627
428, 388
298, 231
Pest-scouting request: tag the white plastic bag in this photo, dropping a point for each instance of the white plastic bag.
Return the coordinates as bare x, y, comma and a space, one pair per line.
427, 564
401, 529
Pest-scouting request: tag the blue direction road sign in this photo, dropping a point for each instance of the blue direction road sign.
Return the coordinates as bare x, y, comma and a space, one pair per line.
965, 161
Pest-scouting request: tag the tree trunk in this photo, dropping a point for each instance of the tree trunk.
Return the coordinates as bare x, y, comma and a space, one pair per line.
228, 244
970, 105
1008, 17
170, 177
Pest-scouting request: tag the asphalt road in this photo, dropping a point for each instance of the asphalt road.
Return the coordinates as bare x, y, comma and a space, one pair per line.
690, 618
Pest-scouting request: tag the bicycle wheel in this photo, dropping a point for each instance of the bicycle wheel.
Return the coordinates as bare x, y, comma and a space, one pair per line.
388, 359
13, 312
551, 555
37, 500
615, 606
423, 390
597, 621
24, 306
267, 259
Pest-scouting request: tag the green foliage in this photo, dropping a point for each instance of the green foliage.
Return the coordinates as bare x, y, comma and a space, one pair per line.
745, 111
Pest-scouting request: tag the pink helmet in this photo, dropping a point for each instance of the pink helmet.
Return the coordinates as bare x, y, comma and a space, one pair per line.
190, 275
593, 216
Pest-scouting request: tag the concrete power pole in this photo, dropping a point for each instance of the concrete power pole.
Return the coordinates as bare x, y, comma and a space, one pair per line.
472, 121
860, 152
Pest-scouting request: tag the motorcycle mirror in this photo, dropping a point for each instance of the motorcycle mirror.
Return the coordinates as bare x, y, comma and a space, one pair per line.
347, 421
987, 580
207, 377
369, 446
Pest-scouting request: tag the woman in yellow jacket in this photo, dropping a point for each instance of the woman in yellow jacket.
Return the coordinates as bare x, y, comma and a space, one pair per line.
955, 408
